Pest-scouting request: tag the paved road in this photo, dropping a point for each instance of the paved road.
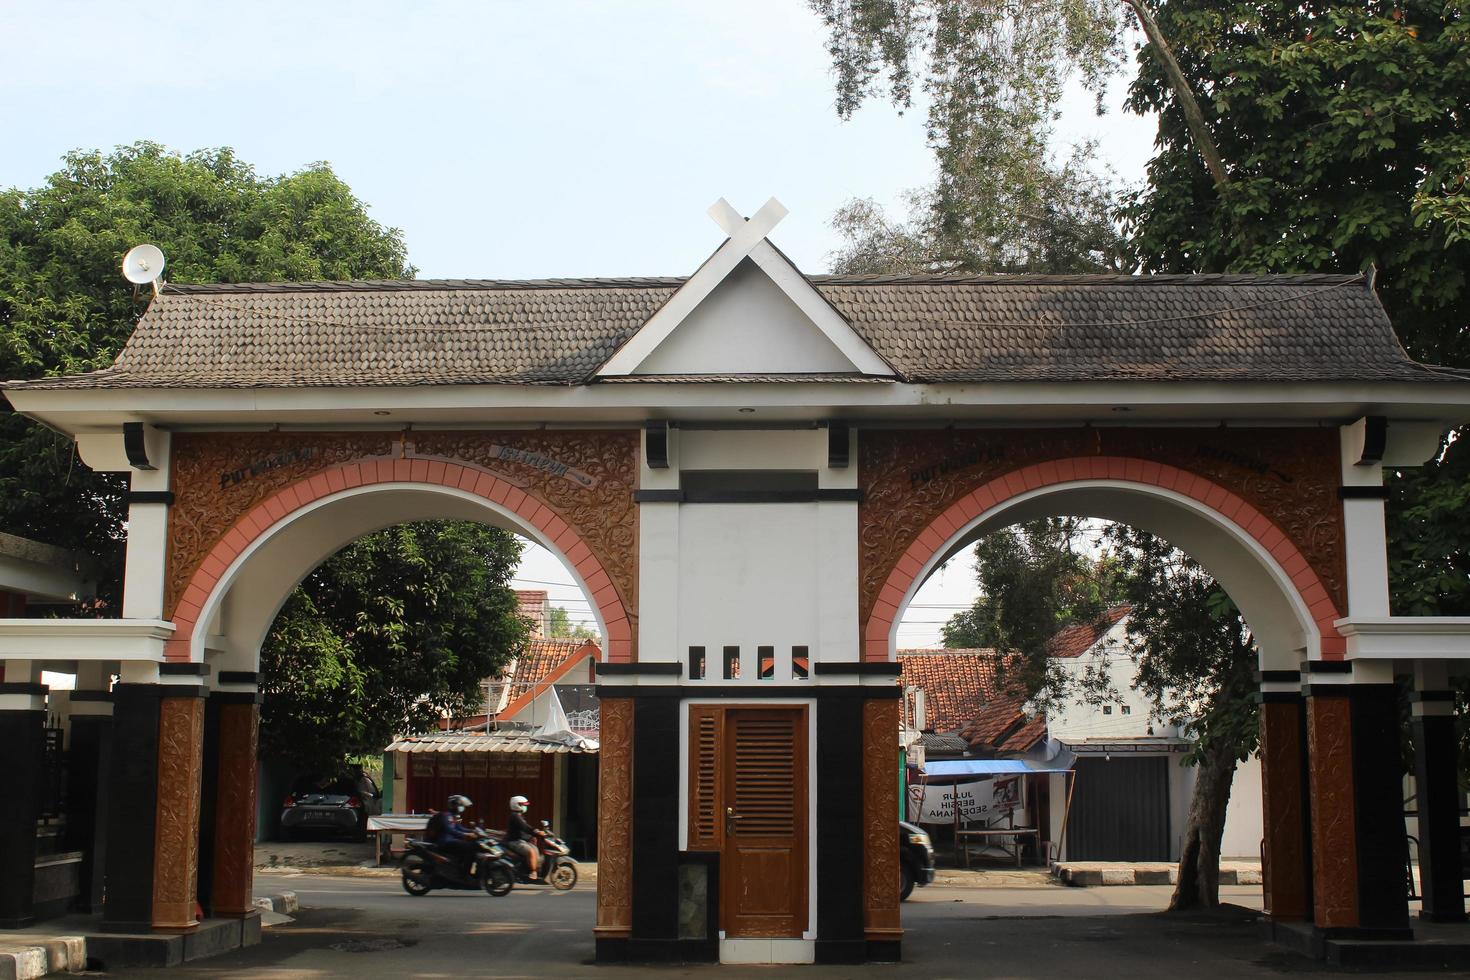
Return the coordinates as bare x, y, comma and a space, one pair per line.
361, 928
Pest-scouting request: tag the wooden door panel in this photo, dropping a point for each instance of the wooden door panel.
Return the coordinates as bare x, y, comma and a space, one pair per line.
706, 806
764, 792
764, 885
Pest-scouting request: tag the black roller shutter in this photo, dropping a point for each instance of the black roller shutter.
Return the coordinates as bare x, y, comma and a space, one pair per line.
1120, 811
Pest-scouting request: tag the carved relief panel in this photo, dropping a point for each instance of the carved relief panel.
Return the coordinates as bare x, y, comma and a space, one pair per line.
586, 478
615, 820
909, 478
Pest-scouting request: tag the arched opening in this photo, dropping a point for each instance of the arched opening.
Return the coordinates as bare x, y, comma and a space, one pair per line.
235, 594
1275, 586
228, 608
1286, 608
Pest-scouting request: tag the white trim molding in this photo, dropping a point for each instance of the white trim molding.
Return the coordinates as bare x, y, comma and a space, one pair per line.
1406, 637
84, 639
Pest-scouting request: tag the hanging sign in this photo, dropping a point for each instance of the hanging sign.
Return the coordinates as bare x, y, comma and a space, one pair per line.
980, 800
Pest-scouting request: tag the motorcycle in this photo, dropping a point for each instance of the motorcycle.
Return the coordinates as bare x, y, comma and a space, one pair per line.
425, 868
558, 868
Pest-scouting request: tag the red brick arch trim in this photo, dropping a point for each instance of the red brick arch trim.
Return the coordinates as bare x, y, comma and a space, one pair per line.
1056, 473
276, 509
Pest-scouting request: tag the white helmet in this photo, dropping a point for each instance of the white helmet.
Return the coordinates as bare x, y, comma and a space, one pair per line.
518, 804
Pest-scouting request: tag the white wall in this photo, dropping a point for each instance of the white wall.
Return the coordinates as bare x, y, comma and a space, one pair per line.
1244, 823
781, 575
746, 326
1077, 722
535, 713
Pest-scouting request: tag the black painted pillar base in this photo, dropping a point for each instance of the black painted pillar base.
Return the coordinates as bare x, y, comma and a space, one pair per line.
655, 824
841, 937
132, 813
22, 733
1382, 848
1436, 770
89, 755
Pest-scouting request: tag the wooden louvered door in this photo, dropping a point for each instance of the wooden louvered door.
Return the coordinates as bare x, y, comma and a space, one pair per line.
763, 818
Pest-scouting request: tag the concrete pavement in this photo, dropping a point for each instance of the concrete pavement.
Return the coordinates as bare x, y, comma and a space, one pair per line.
367, 927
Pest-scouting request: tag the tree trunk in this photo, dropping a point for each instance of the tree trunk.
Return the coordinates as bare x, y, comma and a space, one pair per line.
1199, 858
1204, 142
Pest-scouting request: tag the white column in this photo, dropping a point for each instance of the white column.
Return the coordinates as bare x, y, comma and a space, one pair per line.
839, 637
658, 562
147, 536
1365, 534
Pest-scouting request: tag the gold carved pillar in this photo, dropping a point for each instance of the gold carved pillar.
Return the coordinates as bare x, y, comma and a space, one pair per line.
1287, 855
176, 830
234, 814
615, 821
880, 819
1334, 828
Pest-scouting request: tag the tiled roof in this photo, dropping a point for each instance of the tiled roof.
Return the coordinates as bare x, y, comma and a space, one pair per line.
963, 695
1074, 641
956, 683
1004, 726
540, 659
929, 328
934, 742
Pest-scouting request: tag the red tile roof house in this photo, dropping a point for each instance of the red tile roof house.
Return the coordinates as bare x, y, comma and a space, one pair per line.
957, 705
493, 755
966, 709
1132, 792
522, 694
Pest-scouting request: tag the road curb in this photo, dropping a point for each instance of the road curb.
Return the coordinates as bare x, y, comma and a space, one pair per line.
284, 903
64, 954
1095, 877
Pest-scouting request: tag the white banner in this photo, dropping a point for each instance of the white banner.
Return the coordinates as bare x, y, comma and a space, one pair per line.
980, 801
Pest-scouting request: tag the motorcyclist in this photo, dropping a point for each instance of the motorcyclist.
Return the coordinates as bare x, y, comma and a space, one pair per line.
447, 832
520, 836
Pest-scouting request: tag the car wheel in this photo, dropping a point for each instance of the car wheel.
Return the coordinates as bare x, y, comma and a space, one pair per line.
416, 876
564, 878
906, 881
497, 880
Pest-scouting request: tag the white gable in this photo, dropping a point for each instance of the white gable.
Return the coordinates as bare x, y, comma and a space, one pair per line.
746, 326
747, 310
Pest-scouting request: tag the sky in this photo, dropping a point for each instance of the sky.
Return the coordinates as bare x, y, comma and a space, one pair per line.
506, 140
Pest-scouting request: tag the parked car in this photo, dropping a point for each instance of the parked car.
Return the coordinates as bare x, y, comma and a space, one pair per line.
334, 805
915, 858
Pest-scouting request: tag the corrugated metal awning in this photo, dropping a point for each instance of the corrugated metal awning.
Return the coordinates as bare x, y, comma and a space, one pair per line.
498, 742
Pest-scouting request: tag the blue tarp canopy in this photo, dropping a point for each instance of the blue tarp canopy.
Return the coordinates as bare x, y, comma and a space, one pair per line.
989, 767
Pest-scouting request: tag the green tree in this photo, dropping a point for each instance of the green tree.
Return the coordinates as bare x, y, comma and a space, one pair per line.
1034, 579
994, 73
386, 637
559, 626
1196, 663
65, 308
1343, 126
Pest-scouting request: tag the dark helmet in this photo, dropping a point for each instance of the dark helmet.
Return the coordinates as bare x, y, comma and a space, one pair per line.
459, 804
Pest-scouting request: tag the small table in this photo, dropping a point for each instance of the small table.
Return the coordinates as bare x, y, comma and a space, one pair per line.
394, 823
962, 838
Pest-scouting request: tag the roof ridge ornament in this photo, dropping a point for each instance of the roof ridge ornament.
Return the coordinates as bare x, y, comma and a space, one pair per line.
747, 239
731, 221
